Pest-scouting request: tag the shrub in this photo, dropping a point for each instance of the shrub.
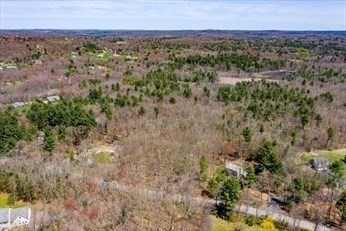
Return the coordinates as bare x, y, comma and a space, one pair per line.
172, 100
268, 224
252, 220
142, 111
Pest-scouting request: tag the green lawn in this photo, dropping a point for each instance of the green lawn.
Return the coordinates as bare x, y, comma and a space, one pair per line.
102, 158
4, 201
331, 155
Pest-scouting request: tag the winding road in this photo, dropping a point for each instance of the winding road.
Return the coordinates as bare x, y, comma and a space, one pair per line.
292, 222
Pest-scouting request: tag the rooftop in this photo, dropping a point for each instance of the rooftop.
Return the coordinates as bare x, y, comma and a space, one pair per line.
15, 212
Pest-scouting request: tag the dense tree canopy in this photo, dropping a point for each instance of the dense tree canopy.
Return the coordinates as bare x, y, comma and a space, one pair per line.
229, 195
267, 159
65, 113
11, 131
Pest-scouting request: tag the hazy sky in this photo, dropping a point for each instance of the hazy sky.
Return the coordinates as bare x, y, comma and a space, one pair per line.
174, 14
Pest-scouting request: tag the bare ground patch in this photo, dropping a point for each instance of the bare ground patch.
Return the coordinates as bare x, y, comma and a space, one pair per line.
234, 80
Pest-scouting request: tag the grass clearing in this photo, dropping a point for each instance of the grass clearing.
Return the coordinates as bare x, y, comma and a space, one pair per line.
102, 158
4, 201
331, 155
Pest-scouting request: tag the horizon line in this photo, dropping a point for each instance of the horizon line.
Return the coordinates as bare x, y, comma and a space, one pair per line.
91, 29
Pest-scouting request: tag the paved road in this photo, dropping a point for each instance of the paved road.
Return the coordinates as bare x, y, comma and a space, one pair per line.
293, 222
40, 217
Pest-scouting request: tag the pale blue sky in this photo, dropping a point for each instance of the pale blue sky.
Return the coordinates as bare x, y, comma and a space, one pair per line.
174, 14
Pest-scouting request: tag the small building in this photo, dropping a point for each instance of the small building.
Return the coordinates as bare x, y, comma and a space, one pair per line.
18, 104
14, 217
130, 58
235, 170
53, 98
120, 42
319, 163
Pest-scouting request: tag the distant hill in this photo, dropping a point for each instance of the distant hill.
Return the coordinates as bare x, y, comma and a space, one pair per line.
180, 33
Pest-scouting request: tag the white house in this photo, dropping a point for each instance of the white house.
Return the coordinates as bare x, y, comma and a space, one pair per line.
120, 42
18, 104
53, 98
235, 170
14, 217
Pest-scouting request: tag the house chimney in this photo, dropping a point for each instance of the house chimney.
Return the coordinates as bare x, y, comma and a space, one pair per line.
9, 217
29, 214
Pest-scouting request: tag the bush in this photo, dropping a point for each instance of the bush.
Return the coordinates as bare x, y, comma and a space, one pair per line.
281, 225
268, 224
212, 187
307, 214
172, 100
142, 111
132, 81
252, 220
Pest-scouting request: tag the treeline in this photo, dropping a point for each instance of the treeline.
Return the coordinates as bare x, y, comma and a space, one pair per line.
18, 188
51, 118
264, 100
309, 75
66, 112
91, 47
11, 131
34, 182
158, 84
225, 61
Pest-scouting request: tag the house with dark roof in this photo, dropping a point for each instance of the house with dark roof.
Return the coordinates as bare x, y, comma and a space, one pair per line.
319, 163
14, 217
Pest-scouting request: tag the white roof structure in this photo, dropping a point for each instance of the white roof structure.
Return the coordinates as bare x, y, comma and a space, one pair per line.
237, 170
53, 98
120, 42
9, 215
18, 104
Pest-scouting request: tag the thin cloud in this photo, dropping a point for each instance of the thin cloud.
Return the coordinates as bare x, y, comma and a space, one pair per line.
313, 14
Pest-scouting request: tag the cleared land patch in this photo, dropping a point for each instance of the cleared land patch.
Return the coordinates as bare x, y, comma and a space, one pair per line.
235, 80
332, 155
